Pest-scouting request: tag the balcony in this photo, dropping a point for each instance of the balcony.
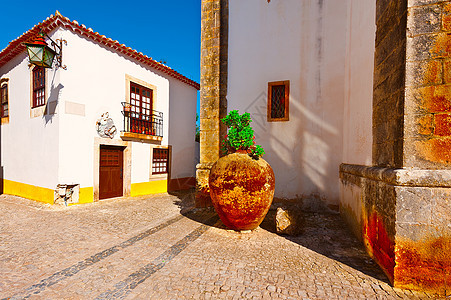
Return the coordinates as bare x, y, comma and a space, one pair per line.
142, 124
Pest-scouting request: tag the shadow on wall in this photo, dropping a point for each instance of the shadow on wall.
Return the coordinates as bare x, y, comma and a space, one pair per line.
305, 170
52, 102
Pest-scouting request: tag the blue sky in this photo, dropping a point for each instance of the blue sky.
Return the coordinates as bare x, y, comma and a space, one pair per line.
165, 30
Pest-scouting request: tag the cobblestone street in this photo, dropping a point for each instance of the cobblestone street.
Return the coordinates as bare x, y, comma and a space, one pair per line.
158, 247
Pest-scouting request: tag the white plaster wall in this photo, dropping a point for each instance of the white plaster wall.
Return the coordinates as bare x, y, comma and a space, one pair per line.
96, 79
140, 162
182, 128
29, 146
304, 42
357, 127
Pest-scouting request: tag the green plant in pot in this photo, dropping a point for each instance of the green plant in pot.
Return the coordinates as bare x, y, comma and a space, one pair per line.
241, 182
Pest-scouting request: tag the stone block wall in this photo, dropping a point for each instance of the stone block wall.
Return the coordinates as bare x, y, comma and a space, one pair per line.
428, 85
375, 220
213, 91
404, 222
389, 78
401, 206
423, 238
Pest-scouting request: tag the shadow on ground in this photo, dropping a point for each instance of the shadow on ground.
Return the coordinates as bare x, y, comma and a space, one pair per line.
327, 234
324, 233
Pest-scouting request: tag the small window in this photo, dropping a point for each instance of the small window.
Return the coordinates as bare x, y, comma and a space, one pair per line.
38, 87
4, 100
278, 101
160, 161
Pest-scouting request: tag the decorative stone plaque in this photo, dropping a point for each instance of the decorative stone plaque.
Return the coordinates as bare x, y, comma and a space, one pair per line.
105, 126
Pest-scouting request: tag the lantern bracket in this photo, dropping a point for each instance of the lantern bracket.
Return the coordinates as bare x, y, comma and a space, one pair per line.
59, 55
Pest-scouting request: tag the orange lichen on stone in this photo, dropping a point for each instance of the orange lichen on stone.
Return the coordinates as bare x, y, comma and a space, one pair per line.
442, 45
447, 17
424, 265
436, 98
433, 73
426, 125
435, 150
447, 71
380, 245
442, 125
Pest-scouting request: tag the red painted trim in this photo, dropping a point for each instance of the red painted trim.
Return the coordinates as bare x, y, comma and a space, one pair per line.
16, 46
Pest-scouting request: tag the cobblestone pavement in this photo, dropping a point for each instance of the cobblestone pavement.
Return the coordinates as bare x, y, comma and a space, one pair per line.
157, 247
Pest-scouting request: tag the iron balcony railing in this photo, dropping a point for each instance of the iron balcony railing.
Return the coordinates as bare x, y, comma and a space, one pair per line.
143, 121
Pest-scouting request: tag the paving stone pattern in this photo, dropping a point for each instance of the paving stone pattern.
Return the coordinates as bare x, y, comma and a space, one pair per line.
158, 247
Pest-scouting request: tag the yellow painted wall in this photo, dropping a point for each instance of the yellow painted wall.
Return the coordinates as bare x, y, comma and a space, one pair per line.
28, 191
86, 195
151, 187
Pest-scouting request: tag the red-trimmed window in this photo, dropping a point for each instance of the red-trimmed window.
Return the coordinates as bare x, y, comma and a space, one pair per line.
4, 100
160, 161
38, 86
278, 101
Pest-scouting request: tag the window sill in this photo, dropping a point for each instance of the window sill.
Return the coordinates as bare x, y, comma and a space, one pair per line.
140, 136
37, 111
155, 177
278, 120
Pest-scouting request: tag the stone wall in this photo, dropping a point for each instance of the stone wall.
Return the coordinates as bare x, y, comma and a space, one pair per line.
403, 213
404, 222
428, 85
389, 77
213, 91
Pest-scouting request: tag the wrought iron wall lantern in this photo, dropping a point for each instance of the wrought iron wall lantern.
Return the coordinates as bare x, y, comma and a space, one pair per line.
40, 54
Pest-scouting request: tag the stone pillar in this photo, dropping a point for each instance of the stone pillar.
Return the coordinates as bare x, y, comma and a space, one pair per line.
213, 91
389, 77
402, 204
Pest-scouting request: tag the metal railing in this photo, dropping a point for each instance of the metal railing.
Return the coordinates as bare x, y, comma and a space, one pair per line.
138, 122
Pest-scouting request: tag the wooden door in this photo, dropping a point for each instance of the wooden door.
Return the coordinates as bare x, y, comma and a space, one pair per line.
111, 172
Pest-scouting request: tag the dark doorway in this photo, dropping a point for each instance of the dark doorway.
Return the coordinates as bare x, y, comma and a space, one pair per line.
111, 172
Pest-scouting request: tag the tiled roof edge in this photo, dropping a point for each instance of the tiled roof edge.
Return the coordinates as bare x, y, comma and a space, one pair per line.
16, 46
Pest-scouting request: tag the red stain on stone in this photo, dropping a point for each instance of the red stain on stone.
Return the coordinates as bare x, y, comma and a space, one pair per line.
442, 125
382, 246
424, 265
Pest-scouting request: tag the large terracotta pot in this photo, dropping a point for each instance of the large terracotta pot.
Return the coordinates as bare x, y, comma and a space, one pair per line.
241, 189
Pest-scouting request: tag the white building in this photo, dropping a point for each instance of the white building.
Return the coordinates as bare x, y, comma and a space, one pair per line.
304, 48
49, 132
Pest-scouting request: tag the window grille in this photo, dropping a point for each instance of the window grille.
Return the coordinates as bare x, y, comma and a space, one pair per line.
278, 101
160, 161
38, 86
